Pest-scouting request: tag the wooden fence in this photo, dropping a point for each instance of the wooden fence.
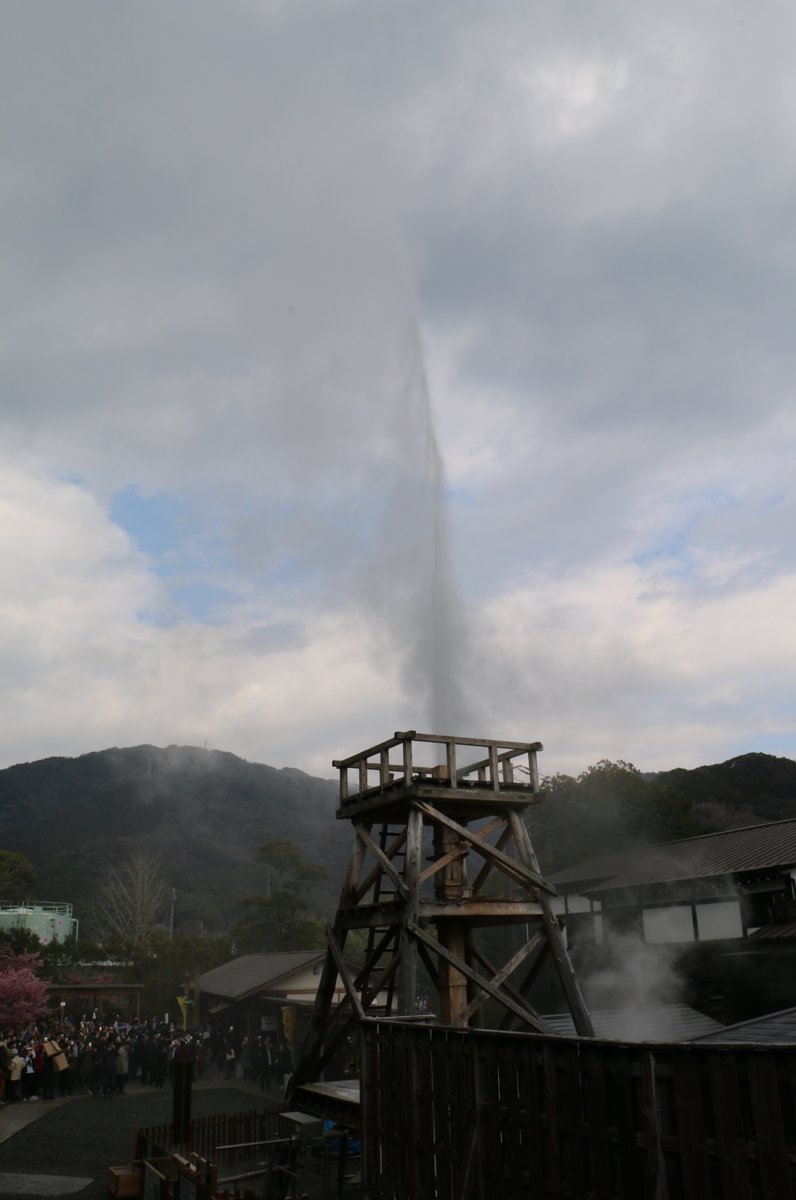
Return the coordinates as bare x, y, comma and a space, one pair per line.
208, 1133
464, 1114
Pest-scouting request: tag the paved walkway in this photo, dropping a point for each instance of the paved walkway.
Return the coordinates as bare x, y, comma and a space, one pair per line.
41, 1185
16, 1117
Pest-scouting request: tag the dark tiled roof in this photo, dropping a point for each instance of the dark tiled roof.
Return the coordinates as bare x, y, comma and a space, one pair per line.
732, 852
774, 1027
661, 1023
247, 974
767, 932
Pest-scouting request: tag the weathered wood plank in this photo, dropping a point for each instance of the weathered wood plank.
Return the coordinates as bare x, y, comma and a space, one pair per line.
555, 938
475, 803
499, 977
537, 1118
407, 980
488, 867
443, 1134
730, 1139
690, 1123
353, 759
344, 973
424, 1128
654, 1167
595, 1121
519, 872
772, 1153
552, 1160
574, 1149
625, 1122
525, 1014
382, 859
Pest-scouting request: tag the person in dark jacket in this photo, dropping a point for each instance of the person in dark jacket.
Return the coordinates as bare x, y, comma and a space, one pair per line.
108, 1058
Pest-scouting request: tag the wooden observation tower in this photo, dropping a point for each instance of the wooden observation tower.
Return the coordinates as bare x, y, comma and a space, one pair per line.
440, 850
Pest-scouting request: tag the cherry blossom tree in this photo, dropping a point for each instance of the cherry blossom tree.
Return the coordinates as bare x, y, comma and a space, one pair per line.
23, 996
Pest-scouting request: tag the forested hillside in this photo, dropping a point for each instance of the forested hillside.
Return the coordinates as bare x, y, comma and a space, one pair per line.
746, 790
201, 814
612, 805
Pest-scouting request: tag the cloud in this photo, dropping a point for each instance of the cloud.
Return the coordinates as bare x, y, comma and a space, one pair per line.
221, 231
93, 657
633, 660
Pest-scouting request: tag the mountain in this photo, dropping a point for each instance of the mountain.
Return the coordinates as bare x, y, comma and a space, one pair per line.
747, 790
613, 806
200, 813
203, 813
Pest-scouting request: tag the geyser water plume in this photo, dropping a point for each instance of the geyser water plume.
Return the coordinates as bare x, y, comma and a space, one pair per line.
427, 612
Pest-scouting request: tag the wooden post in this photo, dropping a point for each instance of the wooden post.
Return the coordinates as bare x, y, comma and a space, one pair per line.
561, 959
451, 758
407, 984
450, 884
407, 761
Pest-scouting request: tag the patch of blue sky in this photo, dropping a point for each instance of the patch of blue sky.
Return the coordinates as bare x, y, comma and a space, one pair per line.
460, 496
673, 549
155, 523
673, 552
201, 599
187, 560
285, 571
157, 618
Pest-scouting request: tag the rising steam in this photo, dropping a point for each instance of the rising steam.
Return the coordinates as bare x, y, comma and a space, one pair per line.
418, 593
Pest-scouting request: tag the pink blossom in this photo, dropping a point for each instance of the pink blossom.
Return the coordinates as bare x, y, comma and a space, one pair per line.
23, 997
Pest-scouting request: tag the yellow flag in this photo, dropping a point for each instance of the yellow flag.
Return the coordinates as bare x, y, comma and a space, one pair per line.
183, 1010
287, 1024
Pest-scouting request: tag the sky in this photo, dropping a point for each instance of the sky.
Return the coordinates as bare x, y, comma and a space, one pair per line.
381, 364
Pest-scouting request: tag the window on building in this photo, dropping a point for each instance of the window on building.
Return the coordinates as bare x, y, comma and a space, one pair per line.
675, 923
719, 919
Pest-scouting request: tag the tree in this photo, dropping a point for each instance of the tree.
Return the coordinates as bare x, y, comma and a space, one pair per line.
23, 996
171, 962
23, 940
17, 877
63, 959
294, 872
132, 900
278, 920
609, 806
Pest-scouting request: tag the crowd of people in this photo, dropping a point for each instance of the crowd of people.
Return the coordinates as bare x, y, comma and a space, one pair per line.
40, 1061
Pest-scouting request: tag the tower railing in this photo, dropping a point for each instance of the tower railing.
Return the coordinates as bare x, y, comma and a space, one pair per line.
457, 763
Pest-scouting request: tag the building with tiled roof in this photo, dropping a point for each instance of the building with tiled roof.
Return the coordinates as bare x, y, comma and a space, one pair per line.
285, 975
251, 993
734, 884
654, 1023
730, 896
777, 1028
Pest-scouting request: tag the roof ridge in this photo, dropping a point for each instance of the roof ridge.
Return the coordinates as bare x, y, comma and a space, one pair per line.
698, 837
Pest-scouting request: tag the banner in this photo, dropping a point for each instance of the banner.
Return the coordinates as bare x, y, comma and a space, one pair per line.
287, 1025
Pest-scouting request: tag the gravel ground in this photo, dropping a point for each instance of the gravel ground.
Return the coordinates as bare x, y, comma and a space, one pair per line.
90, 1133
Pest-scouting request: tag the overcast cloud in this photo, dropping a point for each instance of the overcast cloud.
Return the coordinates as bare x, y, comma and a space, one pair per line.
371, 365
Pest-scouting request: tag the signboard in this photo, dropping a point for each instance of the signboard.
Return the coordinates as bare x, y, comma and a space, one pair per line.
154, 1183
188, 1189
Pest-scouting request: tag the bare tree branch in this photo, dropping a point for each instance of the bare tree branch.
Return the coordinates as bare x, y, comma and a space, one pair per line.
132, 900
